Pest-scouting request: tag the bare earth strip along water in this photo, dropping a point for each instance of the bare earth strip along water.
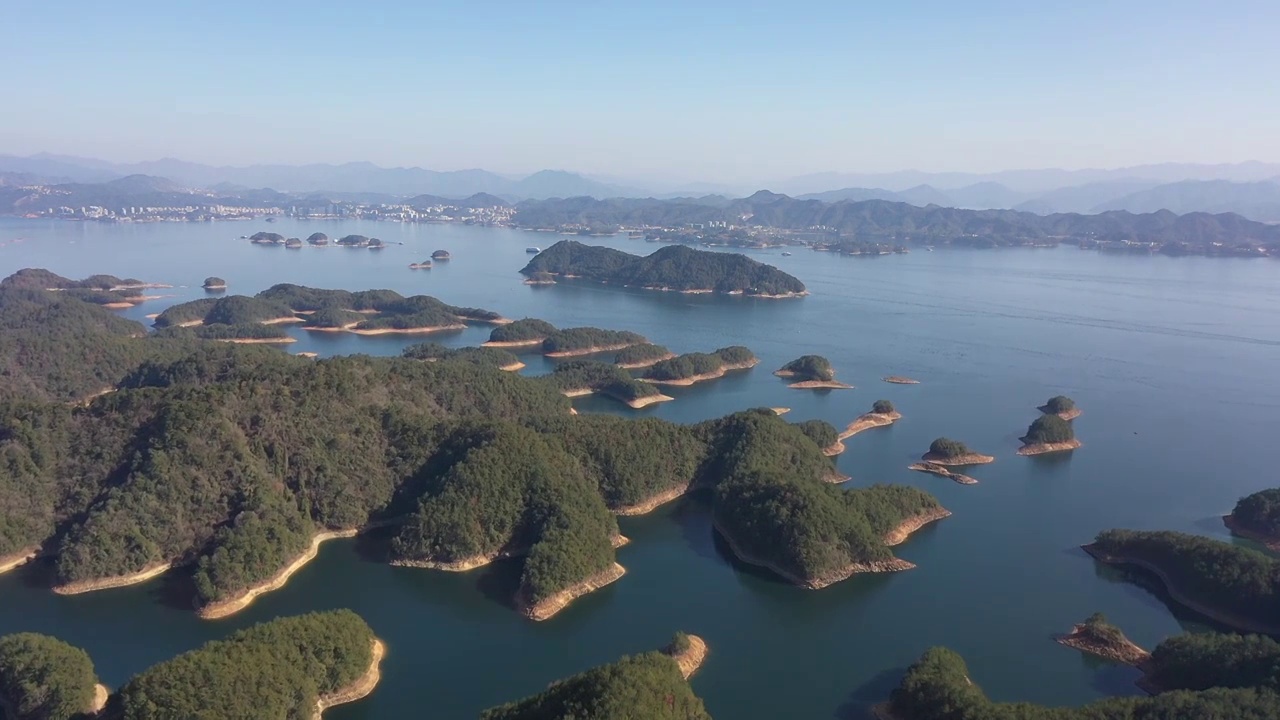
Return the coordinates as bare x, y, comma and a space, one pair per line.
1172, 360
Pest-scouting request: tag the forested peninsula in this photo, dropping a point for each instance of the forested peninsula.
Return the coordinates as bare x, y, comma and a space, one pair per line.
651, 686
1196, 676
675, 268
1257, 517
231, 462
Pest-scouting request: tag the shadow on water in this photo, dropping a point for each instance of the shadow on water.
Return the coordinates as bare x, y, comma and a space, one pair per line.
500, 580
177, 588
692, 514
857, 706
726, 553
1051, 461
1148, 588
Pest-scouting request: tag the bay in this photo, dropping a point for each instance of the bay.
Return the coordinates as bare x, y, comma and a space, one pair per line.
1171, 359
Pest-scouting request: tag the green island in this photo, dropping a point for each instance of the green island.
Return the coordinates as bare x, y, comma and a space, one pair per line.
526, 332
1062, 406
1098, 637
441, 255
677, 268
353, 241
882, 413
650, 686
641, 356
490, 356
948, 452
43, 678
1213, 676
578, 341
586, 377
692, 368
214, 283
1232, 585
1048, 433
108, 291
266, 238
130, 454
811, 372
317, 239
293, 243
1257, 517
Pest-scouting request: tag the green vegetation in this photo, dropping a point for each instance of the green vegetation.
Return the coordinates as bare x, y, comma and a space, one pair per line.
937, 687
640, 687
251, 331
883, 407
41, 279
1097, 627
492, 357
1259, 512
675, 267
1200, 661
353, 240
277, 669
679, 643
1059, 404
333, 317
318, 238
1236, 580
693, 364
601, 378
948, 448
528, 329
646, 352
213, 283
822, 433
586, 338
43, 678
187, 312
1049, 429
809, 367
230, 310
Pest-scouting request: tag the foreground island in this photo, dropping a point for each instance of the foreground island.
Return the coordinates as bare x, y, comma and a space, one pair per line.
676, 268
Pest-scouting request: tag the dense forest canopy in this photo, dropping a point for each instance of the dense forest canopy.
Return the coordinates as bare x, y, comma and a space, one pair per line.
1049, 429
694, 364
883, 407
526, 329
43, 678
1059, 404
946, 447
675, 267
603, 378
492, 357
589, 338
1226, 577
809, 367
647, 352
938, 687
276, 669
640, 687
1259, 512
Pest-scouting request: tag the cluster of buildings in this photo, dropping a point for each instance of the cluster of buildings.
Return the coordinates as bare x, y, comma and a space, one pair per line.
188, 213
496, 215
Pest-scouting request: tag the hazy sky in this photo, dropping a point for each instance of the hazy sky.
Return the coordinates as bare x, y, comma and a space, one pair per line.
681, 89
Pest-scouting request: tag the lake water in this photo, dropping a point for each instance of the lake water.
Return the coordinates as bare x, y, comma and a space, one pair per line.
1171, 359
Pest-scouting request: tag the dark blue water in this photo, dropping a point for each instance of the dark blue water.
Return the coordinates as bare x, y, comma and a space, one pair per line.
1171, 359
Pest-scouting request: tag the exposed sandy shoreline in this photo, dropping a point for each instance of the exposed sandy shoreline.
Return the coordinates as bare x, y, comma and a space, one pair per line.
646, 363
547, 608
692, 379
579, 392
692, 657
362, 686
594, 349
513, 343
539, 282
970, 459
820, 385
1071, 414
282, 320
517, 365
464, 565
899, 534
647, 401
1272, 543
215, 287
780, 410
943, 472
408, 331
866, 421
834, 448
119, 581
100, 696
1222, 617
307, 354
258, 341
1042, 448
230, 606
653, 503
340, 328
488, 321
144, 286
18, 559
1126, 653
899, 380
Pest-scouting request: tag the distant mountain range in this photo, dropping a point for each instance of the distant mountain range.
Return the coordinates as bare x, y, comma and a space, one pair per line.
1248, 189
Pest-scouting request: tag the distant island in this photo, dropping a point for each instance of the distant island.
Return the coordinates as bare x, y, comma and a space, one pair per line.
675, 268
1048, 434
945, 451
692, 368
441, 255
1257, 517
899, 380
214, 284
642, 356
811, 372
1062, 406
882, 413
574, 342
1098, 637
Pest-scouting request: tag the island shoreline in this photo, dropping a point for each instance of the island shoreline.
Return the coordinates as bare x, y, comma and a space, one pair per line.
549, 607
361, 687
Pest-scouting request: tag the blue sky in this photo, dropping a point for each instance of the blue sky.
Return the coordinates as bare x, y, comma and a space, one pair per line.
720, 91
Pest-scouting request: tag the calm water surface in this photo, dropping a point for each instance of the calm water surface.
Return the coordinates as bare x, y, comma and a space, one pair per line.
1172, 361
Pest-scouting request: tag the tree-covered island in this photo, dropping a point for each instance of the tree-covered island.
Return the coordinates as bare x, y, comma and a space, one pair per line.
1048, 433
811, 372
1098, 637
1062, 406
578, 341
641, 356
214, 284
676, 268
236, 461
948, 452
527, 332
692, 368
882, 413
43, 678
1257, 517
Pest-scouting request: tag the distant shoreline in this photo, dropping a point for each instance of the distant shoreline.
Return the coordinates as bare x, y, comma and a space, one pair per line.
702, 377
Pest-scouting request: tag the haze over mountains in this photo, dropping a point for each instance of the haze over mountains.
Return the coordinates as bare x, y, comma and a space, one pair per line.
1251, 189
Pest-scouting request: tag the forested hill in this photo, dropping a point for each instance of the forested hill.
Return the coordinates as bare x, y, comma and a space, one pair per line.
674, 267
881, 219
